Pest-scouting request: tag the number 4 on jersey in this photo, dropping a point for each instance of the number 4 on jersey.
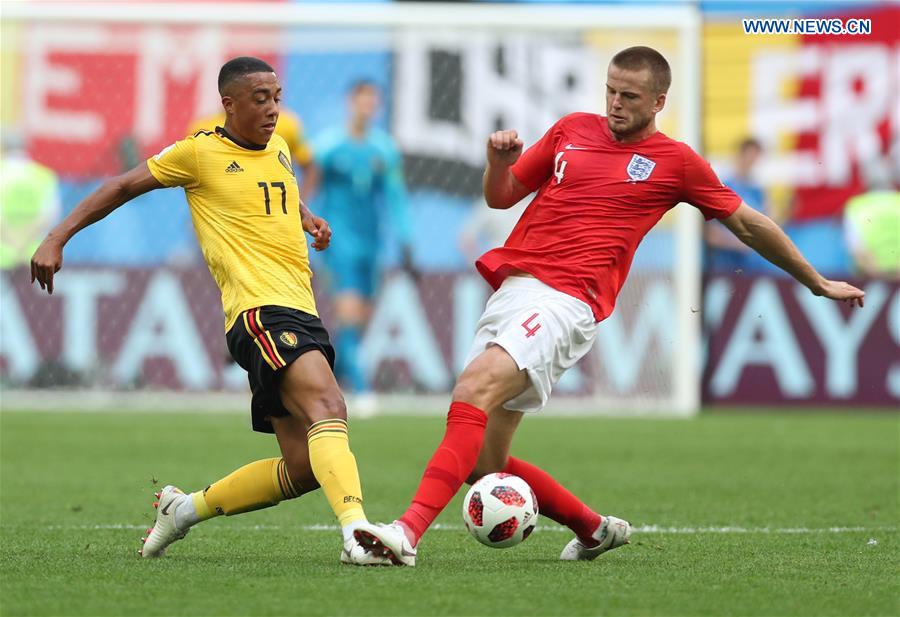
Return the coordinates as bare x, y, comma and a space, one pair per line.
559, 167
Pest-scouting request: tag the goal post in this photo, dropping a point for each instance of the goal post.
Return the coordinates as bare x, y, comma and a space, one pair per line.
95, 85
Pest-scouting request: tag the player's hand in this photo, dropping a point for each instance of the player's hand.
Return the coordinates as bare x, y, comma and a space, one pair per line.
504, 148
839, 290
46, 261
319, 229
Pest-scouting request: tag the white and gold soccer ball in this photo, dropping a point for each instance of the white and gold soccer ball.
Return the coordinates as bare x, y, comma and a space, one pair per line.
500, 510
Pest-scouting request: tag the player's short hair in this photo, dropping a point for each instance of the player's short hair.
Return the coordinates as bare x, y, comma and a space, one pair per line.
238, 67
749, 142
361, 84
639, 58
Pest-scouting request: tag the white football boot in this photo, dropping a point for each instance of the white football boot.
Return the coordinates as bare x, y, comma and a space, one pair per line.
354, 554
612, 533
388, 541
164, 530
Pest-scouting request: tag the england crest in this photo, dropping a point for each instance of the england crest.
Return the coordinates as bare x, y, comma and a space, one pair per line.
640, 168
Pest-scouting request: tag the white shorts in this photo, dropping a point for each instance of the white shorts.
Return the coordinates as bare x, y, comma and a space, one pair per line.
544, 330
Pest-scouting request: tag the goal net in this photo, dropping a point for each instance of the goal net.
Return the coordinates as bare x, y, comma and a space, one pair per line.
92, 89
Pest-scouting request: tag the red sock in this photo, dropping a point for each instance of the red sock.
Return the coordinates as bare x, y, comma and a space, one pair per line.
450, 465
555, 502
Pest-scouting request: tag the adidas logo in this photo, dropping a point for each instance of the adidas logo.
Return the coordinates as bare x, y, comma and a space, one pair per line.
233, 168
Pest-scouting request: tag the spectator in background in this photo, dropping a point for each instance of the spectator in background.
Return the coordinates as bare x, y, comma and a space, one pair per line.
29, 202
289, 128
872, 224
363, 194
725, 253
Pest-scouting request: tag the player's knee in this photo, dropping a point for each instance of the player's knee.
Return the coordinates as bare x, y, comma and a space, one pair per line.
485, 467
476, 388
328, 405
295, 469
480, 472
300, 472
470, 385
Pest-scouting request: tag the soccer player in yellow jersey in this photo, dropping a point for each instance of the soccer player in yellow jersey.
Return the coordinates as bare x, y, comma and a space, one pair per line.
249, 222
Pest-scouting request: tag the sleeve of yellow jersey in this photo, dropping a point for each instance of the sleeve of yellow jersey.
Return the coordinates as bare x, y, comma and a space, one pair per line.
176, 165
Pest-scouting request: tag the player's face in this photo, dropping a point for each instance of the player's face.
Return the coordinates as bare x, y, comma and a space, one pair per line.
364, 103
748, 157
631, 101
252, 106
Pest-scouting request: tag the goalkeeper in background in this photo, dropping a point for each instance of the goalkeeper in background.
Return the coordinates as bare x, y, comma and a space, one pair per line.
362, 193
249, 219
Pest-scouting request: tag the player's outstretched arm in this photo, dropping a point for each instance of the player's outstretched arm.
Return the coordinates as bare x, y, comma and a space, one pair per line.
764, 236
501, 188
47, 259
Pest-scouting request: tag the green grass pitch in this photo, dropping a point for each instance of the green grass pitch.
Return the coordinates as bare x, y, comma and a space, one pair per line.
735, 515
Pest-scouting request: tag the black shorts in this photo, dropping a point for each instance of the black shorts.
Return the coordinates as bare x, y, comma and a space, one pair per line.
267, 339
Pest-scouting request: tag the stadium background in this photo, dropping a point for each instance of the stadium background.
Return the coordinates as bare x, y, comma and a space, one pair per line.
786, 505
136, 311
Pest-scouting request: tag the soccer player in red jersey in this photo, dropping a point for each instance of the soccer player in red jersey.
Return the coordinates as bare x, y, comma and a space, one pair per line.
602, 183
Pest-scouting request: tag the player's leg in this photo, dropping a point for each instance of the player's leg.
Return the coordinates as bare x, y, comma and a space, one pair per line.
257, 485
292, 366
543, 332
594, 533
262, 483
354, 285
554, 500
266, 482
491, 378
292, 439
498, 435
351, 312
313, 441
291, 431
309, 391
486, 383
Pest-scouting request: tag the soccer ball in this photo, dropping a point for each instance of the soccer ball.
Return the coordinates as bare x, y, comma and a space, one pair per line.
500, 510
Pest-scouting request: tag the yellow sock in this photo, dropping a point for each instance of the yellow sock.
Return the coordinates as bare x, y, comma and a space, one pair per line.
257, 485
335, 468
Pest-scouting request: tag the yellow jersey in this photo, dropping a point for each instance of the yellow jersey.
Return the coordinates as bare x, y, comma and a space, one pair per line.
245, 206
289, 127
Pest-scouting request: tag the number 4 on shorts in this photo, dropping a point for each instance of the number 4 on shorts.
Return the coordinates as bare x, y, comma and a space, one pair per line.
529, 331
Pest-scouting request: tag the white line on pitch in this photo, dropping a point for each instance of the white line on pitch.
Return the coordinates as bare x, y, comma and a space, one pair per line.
648, 529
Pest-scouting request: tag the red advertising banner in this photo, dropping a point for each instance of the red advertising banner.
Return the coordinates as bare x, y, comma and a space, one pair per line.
99, 98
851, 82
823, 106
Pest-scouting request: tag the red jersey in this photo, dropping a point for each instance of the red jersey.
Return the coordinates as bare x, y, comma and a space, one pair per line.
596, 201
